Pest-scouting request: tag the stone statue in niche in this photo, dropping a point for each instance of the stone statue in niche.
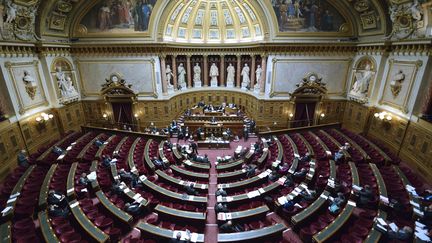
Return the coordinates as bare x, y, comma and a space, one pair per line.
230, 75
197, 75
30, 84
181, 76
245, 74
169, 75
258, 74
362, 80
396, 83
214, 73
65, 84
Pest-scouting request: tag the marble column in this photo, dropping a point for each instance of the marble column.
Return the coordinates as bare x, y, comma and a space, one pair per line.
174, 69
238, 78
252, 84
206, 72
189, 72
263, 76
163, 75
222, 71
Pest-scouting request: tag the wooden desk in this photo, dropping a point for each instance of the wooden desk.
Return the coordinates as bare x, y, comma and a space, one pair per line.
43, 193
246, 196
147, 158
176, 153
113, 209
45, 226
131, 161
120, 144
6, 232
335, 225
17, 189
102, 148
244, 183
252, 235
323, 145
380, 181
308, 146
280, 150
189, 174
70, 184
49, 150
311, 209
161, 233
196, 166
222, 177
170, 194
180, 183
87, 225
265, 153
214, 144
229, 166
180, 214
374, 235
354, 174
241, 215
312, 169
406, 182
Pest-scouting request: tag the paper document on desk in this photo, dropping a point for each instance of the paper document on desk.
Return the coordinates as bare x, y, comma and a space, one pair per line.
6, 210
92, 176
282, 200
381, 221
394, 227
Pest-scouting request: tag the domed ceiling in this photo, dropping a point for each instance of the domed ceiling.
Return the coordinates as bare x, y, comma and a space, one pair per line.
213, 21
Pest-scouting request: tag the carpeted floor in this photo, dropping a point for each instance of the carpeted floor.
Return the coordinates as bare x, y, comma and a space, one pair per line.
211, 229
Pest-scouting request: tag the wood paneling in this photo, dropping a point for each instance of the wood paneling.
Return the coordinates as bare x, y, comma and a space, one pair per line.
71, 117
356, 117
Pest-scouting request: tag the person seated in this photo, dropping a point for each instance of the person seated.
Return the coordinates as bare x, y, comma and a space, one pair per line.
283, 169
23, 159
221, 192
229, 227
289, 181
289, 205
426, 218
394, 232
168, 144
57, 150
396, 205
221, 208
426, 196
83, 180
133, 208
57, 198
306, 158
116, 187
201, 104
336, 204
135, 181
308, 195
339, 156
56, 211
190, 190
300, 174
346, 146
159, 163
98, 143
107, 161
274, 176
125, 175
250, 170
177, 239
365, 196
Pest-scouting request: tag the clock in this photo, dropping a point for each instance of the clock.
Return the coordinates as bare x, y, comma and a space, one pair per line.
312, 78
114, 78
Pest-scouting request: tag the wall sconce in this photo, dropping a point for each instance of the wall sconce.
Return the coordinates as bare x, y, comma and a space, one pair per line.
383, 116
322, 115
290, 116
44, 117
105, 116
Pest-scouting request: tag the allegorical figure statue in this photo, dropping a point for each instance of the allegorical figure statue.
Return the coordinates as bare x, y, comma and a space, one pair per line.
214, 73
230, 75
245, 74
361, 85
30, 84
65, 84
197, 75
181, 78
168, 75
396, 83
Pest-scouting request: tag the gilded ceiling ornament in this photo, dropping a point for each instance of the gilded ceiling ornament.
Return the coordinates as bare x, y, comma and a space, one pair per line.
407, 18
361, 5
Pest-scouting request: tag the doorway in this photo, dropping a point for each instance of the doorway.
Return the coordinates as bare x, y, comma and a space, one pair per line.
304, 114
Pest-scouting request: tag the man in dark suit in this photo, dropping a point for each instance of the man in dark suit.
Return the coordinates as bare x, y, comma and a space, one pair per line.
221, 208
190, 190
56, 211
57, 198
133, 208
57, 150
23, 159
300, 174
194, 147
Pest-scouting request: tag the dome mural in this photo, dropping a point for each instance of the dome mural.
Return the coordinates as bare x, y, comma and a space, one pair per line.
213, 21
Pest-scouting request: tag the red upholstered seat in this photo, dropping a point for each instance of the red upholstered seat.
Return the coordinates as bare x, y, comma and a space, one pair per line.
103, 222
